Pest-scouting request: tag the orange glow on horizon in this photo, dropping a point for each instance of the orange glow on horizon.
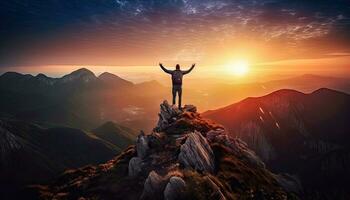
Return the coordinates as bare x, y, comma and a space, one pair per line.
237, 70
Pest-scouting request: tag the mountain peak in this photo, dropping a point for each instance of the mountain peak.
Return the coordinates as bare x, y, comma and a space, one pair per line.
45, 79
326, 91
107, 74
81, 74
41, 75
283, 92
113, 79
12, 74
16, 75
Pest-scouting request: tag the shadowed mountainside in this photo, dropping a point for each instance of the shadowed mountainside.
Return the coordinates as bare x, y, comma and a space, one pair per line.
32, 154
297, 133
115, 134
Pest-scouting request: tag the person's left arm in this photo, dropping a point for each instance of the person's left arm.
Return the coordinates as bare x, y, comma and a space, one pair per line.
165, 69
188, 71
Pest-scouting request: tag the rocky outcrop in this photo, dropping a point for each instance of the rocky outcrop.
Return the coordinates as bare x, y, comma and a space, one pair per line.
185, 157
174, 121
196, 153
167, 115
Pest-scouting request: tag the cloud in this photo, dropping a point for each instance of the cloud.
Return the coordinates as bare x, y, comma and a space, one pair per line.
167, 27
338, 54
186, 55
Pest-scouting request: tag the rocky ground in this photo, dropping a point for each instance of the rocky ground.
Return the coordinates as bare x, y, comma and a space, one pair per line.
185, 157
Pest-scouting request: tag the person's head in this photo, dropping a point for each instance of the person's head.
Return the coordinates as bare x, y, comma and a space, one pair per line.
177, 66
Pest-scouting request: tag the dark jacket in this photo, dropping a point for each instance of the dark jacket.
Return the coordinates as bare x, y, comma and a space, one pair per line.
176, 75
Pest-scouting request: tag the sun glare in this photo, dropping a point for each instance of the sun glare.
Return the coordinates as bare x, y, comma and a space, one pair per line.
238, 68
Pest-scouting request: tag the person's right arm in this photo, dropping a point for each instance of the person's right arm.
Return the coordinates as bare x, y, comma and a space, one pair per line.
164, 69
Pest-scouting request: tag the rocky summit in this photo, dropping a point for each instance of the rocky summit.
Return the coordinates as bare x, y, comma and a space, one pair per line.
184, 157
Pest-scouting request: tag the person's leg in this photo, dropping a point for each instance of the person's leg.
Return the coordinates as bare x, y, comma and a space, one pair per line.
174, 95
180, 96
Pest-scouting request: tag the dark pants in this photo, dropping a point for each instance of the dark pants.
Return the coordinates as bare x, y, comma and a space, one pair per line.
177, 89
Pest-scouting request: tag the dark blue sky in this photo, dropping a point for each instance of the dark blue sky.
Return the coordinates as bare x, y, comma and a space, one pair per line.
141, 32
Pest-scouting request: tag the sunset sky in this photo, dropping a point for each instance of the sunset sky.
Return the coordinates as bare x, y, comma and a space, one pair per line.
130, 37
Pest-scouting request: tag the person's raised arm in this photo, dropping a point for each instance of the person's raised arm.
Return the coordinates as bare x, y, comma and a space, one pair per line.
164, 69
188, 71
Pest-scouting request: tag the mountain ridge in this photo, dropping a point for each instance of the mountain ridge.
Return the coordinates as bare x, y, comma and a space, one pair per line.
79, 99
283, 92
314, 124
32, 154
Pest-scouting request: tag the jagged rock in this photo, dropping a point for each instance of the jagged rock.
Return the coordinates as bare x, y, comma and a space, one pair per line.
196, 153
289, 183
175, 188
153, 186
155, 140
236, 145
135, 166
168, 114
190, 108
212, 134
173, 121
142, 146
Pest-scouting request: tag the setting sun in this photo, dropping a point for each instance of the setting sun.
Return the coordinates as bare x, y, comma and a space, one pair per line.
238, 68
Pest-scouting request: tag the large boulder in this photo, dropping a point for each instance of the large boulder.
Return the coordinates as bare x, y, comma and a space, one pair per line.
196, 153
168, 113
142, 145
175, 188
153, 186
135, 166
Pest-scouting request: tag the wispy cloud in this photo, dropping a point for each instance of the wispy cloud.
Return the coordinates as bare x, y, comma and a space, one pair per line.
183, 29
338, 54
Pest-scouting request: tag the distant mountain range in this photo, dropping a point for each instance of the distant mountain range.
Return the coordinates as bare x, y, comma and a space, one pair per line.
32, 154
218, 95
79, 99
296, 133
83, 100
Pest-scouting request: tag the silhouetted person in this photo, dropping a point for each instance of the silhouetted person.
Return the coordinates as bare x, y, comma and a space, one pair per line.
176, 77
